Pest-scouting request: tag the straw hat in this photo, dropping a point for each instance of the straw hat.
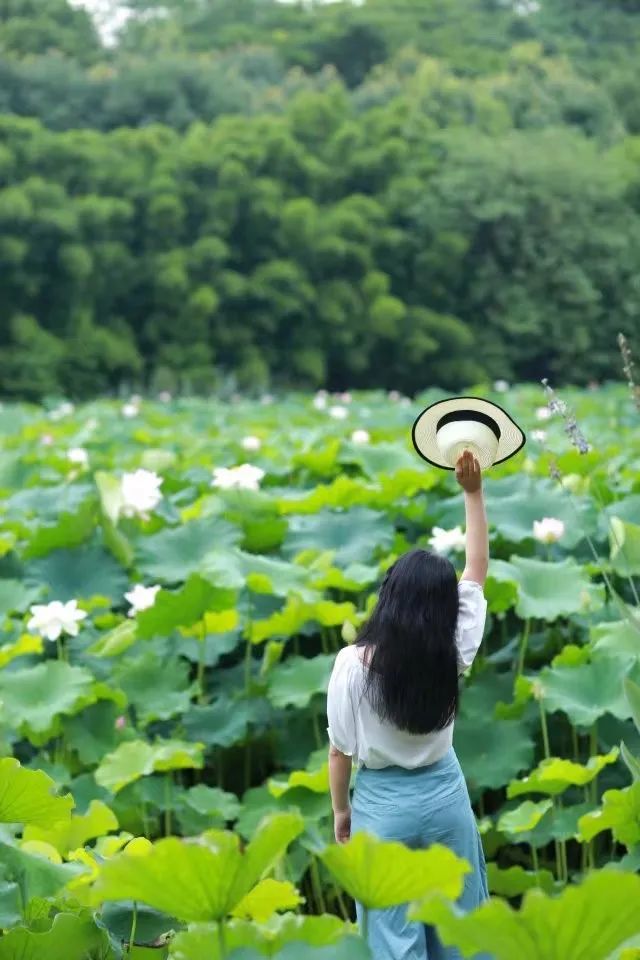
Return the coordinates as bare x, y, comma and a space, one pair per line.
447, 428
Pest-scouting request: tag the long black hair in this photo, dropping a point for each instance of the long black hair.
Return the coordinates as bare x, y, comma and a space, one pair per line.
412, 676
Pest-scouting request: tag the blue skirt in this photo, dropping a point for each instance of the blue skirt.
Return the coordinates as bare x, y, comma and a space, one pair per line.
418, 807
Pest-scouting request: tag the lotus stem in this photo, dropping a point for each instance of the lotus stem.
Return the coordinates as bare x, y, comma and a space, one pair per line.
365, 925
593, 751
134, 926
544, 729
536, 863
201, 664
342, 907
168, 795
221, 940
576, 746
316, 884
524, 643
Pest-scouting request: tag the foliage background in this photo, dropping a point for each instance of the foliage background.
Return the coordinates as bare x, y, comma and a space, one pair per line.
397, 194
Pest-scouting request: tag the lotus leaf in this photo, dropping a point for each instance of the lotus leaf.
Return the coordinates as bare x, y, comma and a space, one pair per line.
157, 687
514, 881
33, 697
587, 691
317, 781
585, 922
25, 644
27, 796
619, 638
184, 607
524, 818
16, 597
549, 590
296, 613
354, 536
492, 753
69, 530
632, 692
198, 547
85, 572
298, 679
224, 722
74, 833
620, 813
554, 775
268, 897
381, 874
198, 881
37, 877
70, 937
136, 759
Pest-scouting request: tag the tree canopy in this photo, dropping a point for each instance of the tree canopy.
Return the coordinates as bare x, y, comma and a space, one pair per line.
393, 194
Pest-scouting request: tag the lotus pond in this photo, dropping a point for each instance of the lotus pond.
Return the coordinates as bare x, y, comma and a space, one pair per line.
176, 577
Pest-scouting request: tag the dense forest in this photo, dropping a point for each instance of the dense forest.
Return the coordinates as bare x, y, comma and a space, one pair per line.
398, 193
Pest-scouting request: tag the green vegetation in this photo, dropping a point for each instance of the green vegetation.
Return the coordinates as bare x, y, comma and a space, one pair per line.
175, 579
387, 195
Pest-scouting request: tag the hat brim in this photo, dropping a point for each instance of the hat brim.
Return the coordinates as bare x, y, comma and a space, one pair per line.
424, 433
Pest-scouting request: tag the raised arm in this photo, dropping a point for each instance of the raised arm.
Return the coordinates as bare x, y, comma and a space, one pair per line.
469, 477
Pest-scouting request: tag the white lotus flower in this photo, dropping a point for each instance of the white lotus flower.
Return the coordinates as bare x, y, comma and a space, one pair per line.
245, 477
320, 400
338, 412
140, 493
130, 410
539, 435
251, 443
548, 530
50, 620
501, 386
78, 455
344, 397
141, 598
442, 541
164, 396
360, 436
543, 413
266, 399
394, 395
46, 439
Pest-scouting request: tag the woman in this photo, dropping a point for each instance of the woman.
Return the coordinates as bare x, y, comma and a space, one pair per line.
392, 701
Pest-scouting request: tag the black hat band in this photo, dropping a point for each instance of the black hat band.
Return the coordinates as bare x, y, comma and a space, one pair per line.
458, 415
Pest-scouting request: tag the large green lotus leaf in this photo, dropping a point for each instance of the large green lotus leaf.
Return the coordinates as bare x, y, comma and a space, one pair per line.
619, 638
85, 572
624, 541
560, 823
492, 752
294, 682
115, 641
258, 517
620, 813
514, 881
283, 929
202, 807
225, 721
296, 613
268, 897
524, 818
554, 775
585, 922
48, 502
68, 530
379, 458
28, 796
196, 547
137, 758
92, 733
587, 691
150, 924
353, 579
197, 881
16, 596
157, 687
317, 781
271, 575
34, 697
380, 874
37, 876
343, 491
355, 536
184, 607
551, 590
71, 937
68, 836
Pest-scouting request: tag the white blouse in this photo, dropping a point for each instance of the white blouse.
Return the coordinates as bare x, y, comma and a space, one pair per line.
357, 731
